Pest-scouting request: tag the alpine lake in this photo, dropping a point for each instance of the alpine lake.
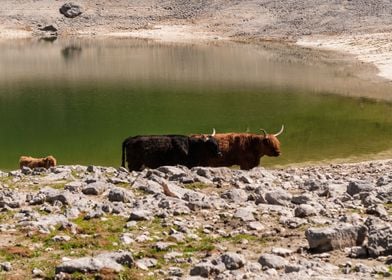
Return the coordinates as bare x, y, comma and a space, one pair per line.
78, 99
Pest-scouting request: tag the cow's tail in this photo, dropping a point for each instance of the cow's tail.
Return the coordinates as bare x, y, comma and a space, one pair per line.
124, 144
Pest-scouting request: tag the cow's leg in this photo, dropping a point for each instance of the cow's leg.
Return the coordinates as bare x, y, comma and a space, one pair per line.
249, 163
135, 166
245, 166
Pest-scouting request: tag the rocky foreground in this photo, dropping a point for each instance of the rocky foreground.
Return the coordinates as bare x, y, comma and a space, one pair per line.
77, 222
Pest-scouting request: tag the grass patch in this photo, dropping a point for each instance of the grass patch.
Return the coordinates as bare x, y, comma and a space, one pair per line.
388, 207
4, 180
354, 210
237, 239
132, 274
6, 216
87, 243
124, 185
58, 186
112, 223
154, 226
139, 192
11, 253
75, 174
102, 234
93, 234
205, 244
47, 266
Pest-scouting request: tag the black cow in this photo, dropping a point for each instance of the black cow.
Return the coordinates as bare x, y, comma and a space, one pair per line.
158, 150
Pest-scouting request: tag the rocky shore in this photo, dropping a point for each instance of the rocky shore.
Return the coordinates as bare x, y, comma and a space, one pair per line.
82, 222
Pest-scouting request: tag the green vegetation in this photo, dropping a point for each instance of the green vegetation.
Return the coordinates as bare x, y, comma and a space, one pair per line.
205, 244
111, 223
58, 186
388, 207
6, 216
238, 238
94, 234
11, 253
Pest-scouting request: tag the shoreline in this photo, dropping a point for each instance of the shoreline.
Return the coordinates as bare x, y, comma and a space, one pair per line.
369, 48
378, 158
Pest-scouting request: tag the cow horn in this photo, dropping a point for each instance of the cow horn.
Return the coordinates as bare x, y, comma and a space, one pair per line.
264, 132
213, 132
280, 132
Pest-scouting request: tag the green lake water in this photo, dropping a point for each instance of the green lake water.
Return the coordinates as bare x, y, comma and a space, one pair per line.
78, 99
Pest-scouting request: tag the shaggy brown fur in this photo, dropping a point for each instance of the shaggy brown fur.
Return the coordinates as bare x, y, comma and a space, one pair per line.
244, 149
37, 162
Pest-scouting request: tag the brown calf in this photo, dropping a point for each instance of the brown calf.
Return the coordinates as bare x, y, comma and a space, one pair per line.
37, 162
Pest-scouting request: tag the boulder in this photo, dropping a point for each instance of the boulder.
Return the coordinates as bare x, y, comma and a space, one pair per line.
140, 215
304, 210
233, 261
235, 195
338, 237
95, 188
146, 263
355, 187
272, 261
70, 10
113, 261
206, 269
119, 194
278, 197
244, 214
379, 237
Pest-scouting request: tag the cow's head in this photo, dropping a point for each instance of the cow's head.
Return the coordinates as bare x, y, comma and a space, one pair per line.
271, 144
50, 161
211, 144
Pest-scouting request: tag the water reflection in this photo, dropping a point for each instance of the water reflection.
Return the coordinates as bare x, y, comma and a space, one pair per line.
50, 39
139, 61
71, 52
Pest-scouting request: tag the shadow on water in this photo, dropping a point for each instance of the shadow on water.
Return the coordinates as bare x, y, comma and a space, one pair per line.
81, 111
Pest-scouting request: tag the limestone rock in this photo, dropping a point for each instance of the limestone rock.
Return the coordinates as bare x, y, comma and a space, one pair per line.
244, 214
119, 194
338, 237
355, 187
95, 188
379, 237
233, 261
112, 261
272, 261
278, 197
304, 210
